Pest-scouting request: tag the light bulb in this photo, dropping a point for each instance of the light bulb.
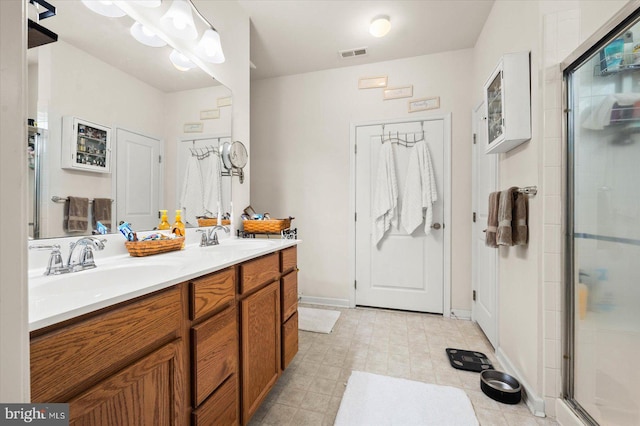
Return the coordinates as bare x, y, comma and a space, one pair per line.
380, 26
180, 20
146, 36
210, 48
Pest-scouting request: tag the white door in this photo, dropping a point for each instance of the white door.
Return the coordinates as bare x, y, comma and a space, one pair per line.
485, 266
137, 179
403, 271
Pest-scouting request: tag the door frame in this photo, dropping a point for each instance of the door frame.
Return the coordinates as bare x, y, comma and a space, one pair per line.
446, 189
114, 172
474, 208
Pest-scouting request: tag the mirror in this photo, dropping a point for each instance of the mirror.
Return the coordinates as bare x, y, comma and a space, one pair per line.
98, 74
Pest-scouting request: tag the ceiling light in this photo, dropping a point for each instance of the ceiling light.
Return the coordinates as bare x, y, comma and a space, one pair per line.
180, 61
146, 36
210, 48
104, 8
181, 18
380, 26
148, 3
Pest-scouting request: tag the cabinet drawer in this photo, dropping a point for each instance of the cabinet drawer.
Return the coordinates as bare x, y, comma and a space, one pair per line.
289, 294
63, 360
211, 292
215, 353
288, 259
289, 340
257, 272
221, 408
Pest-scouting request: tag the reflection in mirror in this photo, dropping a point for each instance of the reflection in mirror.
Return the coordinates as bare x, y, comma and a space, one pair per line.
99, 74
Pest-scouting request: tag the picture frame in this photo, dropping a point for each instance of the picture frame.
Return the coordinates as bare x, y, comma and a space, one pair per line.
397, 92
372, 82
223, 102
210, 114
424, 104
195, 127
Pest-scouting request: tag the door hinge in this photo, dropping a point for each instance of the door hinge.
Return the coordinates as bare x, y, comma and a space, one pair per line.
159, 158
474, 138
474, 295
355, 284
355, 149
474, 217
355, 217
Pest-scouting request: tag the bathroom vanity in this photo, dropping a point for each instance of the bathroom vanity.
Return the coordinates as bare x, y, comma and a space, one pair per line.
203, 351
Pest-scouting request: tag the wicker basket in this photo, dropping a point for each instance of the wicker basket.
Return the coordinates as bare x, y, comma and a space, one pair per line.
147, 248
270, 226
212, 222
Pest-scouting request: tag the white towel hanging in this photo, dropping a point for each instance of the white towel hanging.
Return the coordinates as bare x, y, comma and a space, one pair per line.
385, 199
420, 190
191, 200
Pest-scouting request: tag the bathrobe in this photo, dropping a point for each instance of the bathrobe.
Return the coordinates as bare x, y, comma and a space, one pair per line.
385, 198
192, 199
420, 192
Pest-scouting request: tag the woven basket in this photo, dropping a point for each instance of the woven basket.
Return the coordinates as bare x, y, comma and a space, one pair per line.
148, 248
212, 222
270, 226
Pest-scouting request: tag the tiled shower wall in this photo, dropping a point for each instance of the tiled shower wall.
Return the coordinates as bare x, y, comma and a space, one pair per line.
561, 35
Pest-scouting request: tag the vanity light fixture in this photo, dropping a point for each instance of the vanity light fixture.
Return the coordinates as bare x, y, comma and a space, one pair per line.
209, 48
104, 8
148, 3
146, 36
180, 61
380, 26
181, 20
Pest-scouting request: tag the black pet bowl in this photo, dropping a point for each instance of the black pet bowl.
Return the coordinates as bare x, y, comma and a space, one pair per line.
500, 386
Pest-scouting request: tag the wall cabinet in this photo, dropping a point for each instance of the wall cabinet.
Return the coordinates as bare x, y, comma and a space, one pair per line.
85, 146
173, 357
507, 96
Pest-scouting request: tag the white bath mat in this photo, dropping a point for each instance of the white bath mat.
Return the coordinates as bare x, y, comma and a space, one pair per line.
371, 399
317, 320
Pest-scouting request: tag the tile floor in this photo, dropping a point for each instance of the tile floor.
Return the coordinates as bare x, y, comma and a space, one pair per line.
398, 344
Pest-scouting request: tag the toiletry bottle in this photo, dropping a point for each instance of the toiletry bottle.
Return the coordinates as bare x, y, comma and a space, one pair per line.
164, 223
178, 226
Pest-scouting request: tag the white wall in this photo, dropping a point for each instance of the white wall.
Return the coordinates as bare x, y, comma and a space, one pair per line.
300, 156
14, 337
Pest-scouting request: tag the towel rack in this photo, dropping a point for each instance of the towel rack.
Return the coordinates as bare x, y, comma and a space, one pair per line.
529, 190
57, 199
402, 141
204, 152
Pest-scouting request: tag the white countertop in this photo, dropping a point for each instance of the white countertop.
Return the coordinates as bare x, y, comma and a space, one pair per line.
120, 277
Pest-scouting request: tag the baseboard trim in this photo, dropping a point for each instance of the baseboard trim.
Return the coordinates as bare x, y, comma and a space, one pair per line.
461, 314
565, 415
327, 301
533, 401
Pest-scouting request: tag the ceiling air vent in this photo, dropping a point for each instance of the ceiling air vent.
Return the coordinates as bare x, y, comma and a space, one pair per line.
352, 53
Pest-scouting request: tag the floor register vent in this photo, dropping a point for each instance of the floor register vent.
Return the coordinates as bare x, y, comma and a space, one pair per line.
352, 53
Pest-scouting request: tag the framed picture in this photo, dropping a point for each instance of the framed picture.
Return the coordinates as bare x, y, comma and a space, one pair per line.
424, 104
372, 82
192, 127
397, 92
209, 114
222, 102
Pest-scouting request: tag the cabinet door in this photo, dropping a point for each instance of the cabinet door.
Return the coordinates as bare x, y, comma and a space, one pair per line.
148, 392
221, 408
260, 346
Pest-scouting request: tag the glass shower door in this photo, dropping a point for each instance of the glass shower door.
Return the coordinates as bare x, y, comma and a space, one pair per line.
603, 380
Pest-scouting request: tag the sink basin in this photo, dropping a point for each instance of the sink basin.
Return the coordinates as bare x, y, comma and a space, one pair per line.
246, 244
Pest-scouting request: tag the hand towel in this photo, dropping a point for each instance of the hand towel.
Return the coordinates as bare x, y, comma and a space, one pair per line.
211, 184
385, 198
76, 214
492, 220
192, 199
519, 227
420, 190
504, 236
101, 212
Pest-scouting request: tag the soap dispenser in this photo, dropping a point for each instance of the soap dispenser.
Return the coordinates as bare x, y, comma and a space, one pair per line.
178, 226
164, 223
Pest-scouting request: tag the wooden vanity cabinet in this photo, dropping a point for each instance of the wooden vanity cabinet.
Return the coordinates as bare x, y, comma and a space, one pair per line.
289, 304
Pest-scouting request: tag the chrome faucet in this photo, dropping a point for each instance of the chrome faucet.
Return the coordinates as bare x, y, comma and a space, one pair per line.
81, 253
55, 265
210, 237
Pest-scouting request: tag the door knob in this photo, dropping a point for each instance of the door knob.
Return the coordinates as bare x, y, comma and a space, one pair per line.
436, 226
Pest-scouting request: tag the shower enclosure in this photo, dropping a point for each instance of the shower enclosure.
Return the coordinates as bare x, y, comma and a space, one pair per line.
602, 371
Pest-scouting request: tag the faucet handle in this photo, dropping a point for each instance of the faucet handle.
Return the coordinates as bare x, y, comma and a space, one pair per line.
203, 237
55, 264
215, 239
